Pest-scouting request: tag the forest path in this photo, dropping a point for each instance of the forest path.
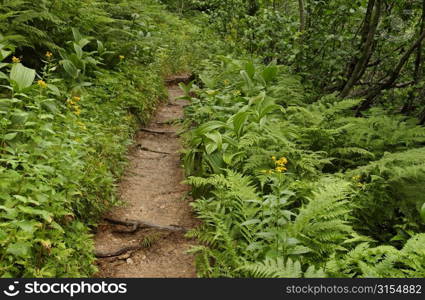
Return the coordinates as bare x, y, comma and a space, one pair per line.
153, 197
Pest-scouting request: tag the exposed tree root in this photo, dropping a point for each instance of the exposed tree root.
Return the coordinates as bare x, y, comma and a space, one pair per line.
157, 131
137, 225
177, 79
100, 254
151, 150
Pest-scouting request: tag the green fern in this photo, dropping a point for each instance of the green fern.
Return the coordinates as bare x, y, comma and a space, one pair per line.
323, 223
278, 268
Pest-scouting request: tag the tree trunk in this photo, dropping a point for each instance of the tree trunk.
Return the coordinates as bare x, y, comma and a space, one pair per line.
302, 15
417, 75
359, 66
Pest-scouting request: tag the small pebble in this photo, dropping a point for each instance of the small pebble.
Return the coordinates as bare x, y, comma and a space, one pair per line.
130, 261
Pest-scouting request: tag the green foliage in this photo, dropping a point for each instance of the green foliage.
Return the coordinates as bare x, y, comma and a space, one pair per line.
277, 268
289, 188
72, 95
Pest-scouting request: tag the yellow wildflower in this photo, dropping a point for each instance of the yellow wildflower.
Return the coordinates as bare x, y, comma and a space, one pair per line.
281, 162
16, 60
280, 169
76, 98
48, 54
121, 57
236, 93
226, 82
42, 83
273, 158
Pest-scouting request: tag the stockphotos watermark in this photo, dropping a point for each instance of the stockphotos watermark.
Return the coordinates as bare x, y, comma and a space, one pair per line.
70, 289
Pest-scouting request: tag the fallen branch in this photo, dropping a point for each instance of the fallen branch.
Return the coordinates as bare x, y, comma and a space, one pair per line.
137, 225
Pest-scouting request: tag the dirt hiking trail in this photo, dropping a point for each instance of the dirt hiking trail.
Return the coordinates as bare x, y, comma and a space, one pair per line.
145, 236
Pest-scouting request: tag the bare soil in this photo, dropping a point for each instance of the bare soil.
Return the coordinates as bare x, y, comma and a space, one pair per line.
152, 192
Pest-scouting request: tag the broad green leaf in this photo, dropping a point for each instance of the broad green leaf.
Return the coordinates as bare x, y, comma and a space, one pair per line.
28, 226
215, 161
19, 118
250, 69
33, 211
100, 47
3, 76
54, 89
228, 157
70, 68
269, 73
216, 137
78, 50
209, 82
76, 34
210, 148
20, 249
50, 105
247, 80
209, 126
10, 136
4, 54
239, 120
22, 76
422, 212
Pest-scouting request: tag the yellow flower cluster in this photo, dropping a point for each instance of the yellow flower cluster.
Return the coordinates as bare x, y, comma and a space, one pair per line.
73, 104
48, 55
16, 60
280, 164
237, 93
42, 84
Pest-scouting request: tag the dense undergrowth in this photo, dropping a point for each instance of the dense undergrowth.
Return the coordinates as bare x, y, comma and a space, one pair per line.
290, 188
77, 78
